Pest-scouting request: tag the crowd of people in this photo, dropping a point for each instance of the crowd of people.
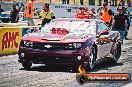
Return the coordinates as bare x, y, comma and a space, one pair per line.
119, 22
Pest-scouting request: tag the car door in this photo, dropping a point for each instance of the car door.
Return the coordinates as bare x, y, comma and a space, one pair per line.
103, 40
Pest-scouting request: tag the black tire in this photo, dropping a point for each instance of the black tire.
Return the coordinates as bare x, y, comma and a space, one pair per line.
119, 49
26, 65
117, 53
92, 59
81, 79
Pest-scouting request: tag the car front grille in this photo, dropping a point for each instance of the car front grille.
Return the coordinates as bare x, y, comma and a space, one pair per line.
51, 46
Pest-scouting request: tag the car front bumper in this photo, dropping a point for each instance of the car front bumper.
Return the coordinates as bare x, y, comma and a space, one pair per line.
54, 56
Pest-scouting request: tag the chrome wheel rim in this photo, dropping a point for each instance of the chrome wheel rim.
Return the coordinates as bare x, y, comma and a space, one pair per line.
91, 60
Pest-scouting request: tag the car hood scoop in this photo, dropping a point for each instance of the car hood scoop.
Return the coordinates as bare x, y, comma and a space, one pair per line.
52, 37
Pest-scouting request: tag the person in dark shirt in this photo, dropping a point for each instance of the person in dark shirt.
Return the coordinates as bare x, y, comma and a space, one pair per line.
126, 13
1, 10
120, 23
14, 15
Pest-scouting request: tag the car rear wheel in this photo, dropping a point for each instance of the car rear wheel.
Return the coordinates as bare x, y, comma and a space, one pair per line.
26, 65
92, 59
116, 52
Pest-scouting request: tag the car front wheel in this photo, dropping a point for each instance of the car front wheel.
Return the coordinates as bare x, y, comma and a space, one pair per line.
26, 65
92, 59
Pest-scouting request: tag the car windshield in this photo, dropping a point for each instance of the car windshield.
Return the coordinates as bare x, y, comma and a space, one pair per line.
77, 26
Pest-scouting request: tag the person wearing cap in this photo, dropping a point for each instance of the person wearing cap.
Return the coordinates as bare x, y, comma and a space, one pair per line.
46, 15
80, 13
126, 13
29, 13
14, 15
120, 22
84, 13
89, 14
106, 14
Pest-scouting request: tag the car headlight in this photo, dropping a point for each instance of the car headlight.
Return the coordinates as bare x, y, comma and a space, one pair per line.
77, 45
70, 46
28, 43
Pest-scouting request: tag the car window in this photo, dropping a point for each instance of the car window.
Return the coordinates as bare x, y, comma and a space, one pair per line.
102, 26
91, 30
4, 15
72, 26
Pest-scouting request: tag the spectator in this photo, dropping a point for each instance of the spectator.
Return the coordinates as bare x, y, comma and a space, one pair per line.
29, 13
63, 1
46, 15
83, 13
67, 1
14, 14
126, 13
1, 10
81, 2
93, 11
106, 1
120, 23
121, 3
113, 2
22, 4
100, 3
16, 2
106, 14
99, 11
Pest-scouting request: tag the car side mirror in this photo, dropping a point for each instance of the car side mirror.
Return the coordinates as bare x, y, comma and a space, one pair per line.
103, 32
